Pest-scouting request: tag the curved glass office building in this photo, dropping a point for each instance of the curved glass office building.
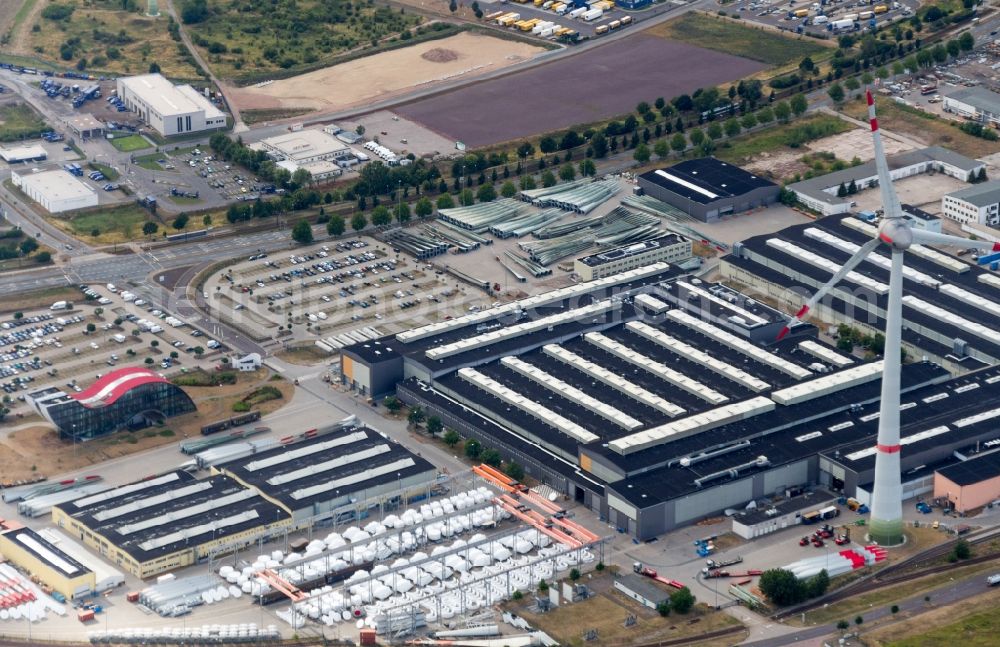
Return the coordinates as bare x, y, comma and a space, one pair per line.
129, 398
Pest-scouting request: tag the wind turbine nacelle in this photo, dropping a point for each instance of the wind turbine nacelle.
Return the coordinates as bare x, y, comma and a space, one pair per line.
896, 233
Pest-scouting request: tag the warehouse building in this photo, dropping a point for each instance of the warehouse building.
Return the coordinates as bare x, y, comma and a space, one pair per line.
949, 306
18, 154
328, 474
641, 590
169, 109
314, 150
708, 188
978, 204
129, 398
820, 193
972, 483
31, 552
106, 577
669, 248
86, 126
170, 521
977, 104
57, 191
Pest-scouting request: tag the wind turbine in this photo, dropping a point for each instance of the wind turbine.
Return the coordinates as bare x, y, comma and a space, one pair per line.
886, 526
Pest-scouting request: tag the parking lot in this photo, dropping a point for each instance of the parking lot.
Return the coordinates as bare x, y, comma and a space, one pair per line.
801, 16
73, 345
587, 29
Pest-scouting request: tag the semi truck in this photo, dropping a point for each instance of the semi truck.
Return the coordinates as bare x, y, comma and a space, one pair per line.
841, 25
820, 20
592, 14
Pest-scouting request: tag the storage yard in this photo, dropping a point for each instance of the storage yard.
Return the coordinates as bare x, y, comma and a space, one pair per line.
389, 74
593, 85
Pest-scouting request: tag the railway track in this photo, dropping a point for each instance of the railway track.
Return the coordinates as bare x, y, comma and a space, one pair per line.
718, 633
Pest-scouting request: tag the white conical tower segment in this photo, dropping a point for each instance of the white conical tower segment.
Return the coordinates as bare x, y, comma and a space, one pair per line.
886, 524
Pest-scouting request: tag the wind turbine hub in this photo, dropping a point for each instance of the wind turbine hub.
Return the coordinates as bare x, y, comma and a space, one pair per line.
896, 233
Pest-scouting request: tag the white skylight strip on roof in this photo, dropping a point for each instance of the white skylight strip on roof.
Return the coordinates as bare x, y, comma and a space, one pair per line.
705, 294
827, 384
614, 380
809, 436
526, 405
922, 251
685, 183
152, 501
979, 417
195, 531
307, 450
909, 440
46, 554
331, 464
571, 393
651, 302
125, 489
941, 314
663, 371
826, 354
740, 345
352, 479
687, 351
967, 387
191, 511
874, 258
935, 397
971, 298
989, 279
826, 264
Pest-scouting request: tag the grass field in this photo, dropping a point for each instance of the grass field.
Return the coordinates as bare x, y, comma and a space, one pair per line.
130, 143
777, 138
251, 117
19, 121
238, 37
21, 14
38, 299
113, 225
926, 127
737, 39
149, 162
109, 39
973, 623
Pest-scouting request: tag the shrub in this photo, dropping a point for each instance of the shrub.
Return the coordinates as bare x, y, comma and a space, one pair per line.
241, 406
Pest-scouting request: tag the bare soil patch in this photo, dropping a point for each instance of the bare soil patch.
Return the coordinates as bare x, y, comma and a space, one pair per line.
386, 75
591, 86
440, 55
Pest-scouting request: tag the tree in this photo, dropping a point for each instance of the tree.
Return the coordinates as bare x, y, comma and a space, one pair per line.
697, 136
525, 150
466, 198
28, 245
799, 104
402, 212
567, 173
547, 145
867, 78
150, 228
416, 416
962, 549
781, 586
733, 127
574, 574
486, 193
782, 111
451, 437
836, 92
543, 586
336, 226
842, 190
682, 600
473, 448
392, 403
894, 609
661, 148
91, 328
588, 168
491, 457
852, 84
206, 220
714, 131
765, 115
381, 216
423, 207
548, 179
180, 222
302, 233
940, 53
818, 584
600, 145
663, 608
154, 68
678, 142
43, 257
806, 65
748, 121
527, 183
148, 360
843, 625
859, 620
445, 201
301, 177
358, 221
514, 470
453, 6
967, 41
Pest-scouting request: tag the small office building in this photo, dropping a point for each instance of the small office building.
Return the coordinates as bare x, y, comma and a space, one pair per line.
977, 104
970, 484
708, 188
169, 109
55, 190
86, 126
669, 248
978, 204
641, 590
18, 154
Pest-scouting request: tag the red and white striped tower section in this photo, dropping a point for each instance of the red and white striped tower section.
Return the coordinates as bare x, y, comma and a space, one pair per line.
886, 525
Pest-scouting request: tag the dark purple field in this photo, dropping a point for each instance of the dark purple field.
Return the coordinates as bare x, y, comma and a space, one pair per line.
600, 83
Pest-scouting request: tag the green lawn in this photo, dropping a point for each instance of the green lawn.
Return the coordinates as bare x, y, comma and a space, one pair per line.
738, 39
20, 121
149, 162
21, 14
977, 630
114, 225
781, 137
108, 172
130, 143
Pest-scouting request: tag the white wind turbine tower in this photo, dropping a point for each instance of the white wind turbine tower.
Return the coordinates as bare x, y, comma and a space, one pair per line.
886, 526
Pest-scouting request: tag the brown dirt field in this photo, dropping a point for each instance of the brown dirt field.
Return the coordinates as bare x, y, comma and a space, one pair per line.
911, 625
304, 356
40, 447
19, 41
39, 299
385, 75
8, 8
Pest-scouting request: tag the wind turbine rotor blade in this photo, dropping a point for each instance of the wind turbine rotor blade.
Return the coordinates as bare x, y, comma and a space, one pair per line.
933, 238
851, 263
890, 203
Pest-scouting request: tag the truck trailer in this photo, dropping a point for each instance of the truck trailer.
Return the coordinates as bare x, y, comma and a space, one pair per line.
592, 14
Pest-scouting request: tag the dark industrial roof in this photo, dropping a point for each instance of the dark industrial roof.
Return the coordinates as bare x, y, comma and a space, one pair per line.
285, 473
983, 99
55, 558
975, 470
143, 522
627, 251
918, 214
643, 587
807, 501
980, 195
706, 180
378, 350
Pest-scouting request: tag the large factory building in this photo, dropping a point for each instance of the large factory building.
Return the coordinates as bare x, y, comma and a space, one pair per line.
658, 399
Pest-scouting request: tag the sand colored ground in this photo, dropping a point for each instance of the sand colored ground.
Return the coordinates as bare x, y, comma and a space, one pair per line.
382, 76
38, 450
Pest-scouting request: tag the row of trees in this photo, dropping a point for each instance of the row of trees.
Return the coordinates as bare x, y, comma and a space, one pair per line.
783, 588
